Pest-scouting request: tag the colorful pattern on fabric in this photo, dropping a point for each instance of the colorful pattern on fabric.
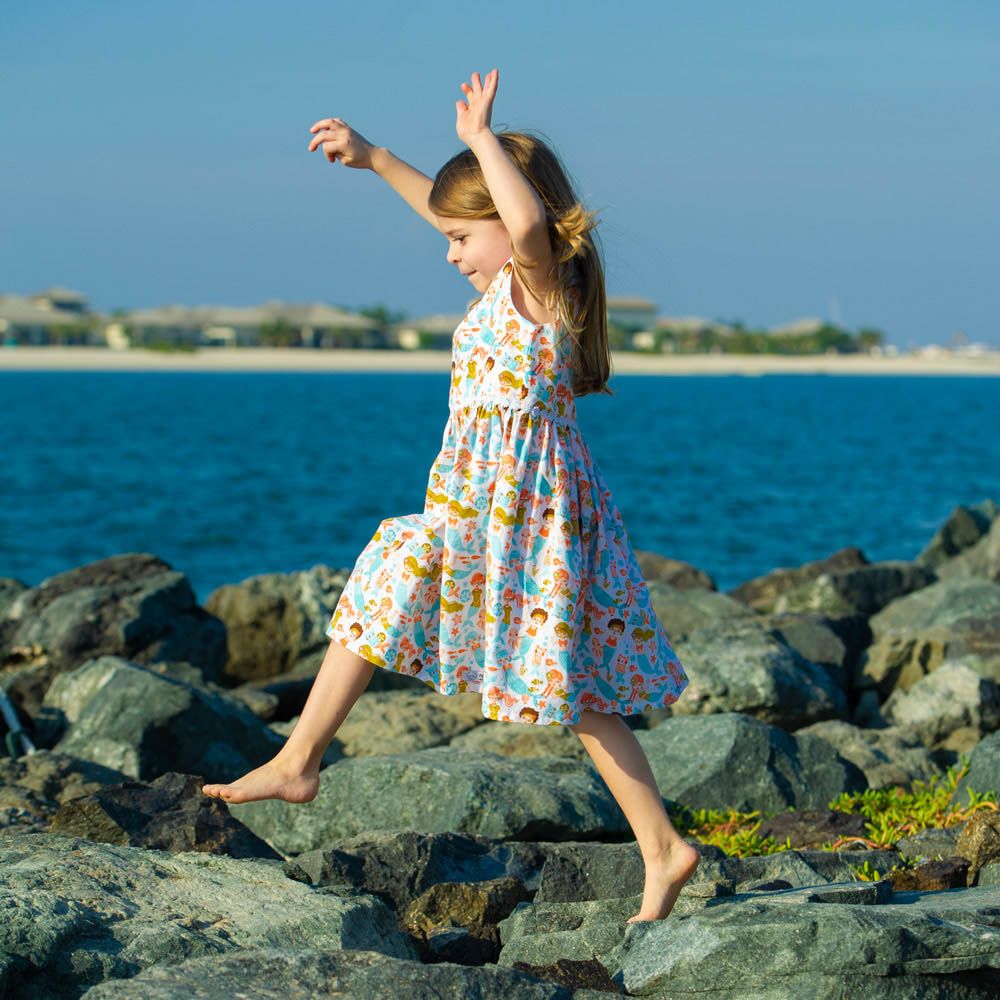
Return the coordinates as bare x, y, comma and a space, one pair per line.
517, 579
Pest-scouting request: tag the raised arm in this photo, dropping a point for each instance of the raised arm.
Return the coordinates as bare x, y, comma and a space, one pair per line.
342, 143
518, 205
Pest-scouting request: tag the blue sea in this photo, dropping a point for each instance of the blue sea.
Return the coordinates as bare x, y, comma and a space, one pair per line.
226, 475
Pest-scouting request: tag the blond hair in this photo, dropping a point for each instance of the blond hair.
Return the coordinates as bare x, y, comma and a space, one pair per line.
576, 287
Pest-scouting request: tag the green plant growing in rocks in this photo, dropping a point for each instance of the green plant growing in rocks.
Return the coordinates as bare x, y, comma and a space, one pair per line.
892, 813
869, 873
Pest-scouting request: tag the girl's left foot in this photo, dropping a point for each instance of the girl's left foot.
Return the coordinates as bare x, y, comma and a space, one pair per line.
664, 881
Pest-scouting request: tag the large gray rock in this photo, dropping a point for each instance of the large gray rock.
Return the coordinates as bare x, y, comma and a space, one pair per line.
981, 559
915, 634
73, 913
275, 621
138, 722
731, 761
133, 605
743, 666
888, 757
442, 789
953, 707
576, 872
806, 943
297, 973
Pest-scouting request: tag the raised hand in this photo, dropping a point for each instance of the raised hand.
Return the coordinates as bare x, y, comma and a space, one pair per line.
341, 142
474, 117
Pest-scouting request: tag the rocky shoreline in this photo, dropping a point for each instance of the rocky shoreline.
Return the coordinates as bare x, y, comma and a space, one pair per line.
448, 855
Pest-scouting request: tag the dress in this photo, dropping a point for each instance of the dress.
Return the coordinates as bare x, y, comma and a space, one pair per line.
517, 579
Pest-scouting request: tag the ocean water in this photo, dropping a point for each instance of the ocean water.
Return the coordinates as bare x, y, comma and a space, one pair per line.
229, 474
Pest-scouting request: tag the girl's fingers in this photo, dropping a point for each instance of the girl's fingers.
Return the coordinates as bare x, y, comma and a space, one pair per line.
327, 122
320, 138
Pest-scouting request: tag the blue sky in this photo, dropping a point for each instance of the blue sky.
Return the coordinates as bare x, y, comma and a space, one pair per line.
759, 161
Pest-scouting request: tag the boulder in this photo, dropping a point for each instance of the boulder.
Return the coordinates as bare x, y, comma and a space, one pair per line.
443, 789
75, 913
134, 606
275, 621
400, 865
728, 761
524, 741
130, 718
743, 666
864, 590
915, 634
983, 774
890, 757
301, 973
963, 528
953, 707
681, 611
862, 944
168, 814
681, 575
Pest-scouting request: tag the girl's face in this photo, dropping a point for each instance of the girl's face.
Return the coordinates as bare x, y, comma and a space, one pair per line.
477, 247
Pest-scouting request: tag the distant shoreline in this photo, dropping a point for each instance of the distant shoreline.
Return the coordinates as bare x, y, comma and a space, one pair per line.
624, 363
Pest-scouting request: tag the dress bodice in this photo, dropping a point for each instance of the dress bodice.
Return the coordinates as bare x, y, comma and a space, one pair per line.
501, 358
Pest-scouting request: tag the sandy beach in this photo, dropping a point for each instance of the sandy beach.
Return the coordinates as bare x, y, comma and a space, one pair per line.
625, 363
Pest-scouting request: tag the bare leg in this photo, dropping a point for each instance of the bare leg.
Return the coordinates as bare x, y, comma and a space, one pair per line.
293, 773
670, 861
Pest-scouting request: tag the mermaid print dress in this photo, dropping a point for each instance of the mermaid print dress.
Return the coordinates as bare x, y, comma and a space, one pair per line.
517, 580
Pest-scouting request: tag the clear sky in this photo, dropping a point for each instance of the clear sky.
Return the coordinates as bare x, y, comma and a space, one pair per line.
751, 161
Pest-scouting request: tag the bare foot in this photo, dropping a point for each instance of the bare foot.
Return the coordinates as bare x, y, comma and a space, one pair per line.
274, 780
664, 881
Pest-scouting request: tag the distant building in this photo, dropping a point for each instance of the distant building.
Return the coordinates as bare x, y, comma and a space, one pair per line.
626, 312
61, 316
38, 320
428, 332
798, 327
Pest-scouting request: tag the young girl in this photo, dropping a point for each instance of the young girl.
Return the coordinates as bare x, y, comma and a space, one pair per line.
517, 580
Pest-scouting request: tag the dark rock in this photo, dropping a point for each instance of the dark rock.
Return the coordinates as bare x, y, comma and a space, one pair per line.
932, 876
762, 592
576, 975
169, 814
33, 786
476, 907
889, 757
401, 865
812, 828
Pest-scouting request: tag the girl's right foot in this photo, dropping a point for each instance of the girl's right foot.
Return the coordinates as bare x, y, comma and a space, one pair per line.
274, 780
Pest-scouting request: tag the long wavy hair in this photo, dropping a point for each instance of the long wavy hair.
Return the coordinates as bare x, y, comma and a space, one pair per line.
576, 286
